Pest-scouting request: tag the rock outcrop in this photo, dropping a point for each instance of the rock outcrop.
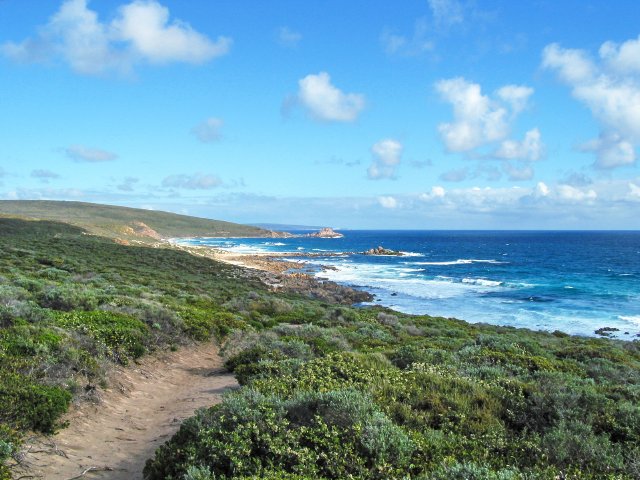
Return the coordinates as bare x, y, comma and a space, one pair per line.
326, 233
382, 251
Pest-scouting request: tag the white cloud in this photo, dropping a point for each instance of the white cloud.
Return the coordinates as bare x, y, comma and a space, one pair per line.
446, 12
325, 102
530, 148
145, 25
624, 58
611, 151
386, 158
208, 131
574, 66
288, 38
515, 95
478, 119
611, 90
574, 194
388, 202
437, 192
541, 190
634, 191
80, 153
141, 31
197, 181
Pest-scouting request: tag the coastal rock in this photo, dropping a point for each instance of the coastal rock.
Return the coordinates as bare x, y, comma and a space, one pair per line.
382, 251
606, 331
326, 233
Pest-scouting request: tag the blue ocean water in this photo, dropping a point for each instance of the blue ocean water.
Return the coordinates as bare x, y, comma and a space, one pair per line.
575, 282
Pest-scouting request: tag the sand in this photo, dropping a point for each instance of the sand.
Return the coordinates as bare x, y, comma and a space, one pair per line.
141, 410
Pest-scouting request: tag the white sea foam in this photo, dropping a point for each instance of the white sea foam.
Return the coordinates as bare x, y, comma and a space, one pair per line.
275, 244
460, 261
482, 281
400, 280
411, 254
635, 319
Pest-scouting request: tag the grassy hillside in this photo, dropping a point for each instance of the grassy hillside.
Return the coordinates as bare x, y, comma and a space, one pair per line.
126, 223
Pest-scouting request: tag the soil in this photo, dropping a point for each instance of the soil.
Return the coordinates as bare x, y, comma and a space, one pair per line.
113, 437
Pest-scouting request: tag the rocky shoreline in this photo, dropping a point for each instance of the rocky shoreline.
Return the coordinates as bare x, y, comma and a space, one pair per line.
281, 275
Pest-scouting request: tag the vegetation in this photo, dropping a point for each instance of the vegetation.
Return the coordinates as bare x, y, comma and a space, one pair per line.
121, 222
71, 304
364, 393
329, 392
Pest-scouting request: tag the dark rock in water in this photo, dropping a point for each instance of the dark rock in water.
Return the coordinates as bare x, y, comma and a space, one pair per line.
394, 294
606, 331
382, 251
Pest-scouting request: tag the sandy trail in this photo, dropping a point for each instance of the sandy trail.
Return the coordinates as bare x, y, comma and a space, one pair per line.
144, 407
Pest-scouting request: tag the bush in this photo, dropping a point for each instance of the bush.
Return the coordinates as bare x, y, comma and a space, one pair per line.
122, 334
339, 434
29, 406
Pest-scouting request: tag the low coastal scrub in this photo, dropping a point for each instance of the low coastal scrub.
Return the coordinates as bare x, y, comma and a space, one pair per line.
72, 304
366, 393
328, 391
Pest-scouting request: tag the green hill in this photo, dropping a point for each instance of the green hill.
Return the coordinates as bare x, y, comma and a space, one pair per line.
126, 223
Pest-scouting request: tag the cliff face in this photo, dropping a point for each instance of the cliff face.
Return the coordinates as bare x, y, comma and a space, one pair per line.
326, 233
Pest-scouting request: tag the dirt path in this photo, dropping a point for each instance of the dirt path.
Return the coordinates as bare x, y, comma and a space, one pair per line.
142, 410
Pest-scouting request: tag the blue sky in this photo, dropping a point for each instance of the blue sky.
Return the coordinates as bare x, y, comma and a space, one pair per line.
362, 114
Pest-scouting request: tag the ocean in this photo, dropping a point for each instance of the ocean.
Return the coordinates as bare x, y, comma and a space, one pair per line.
575, 282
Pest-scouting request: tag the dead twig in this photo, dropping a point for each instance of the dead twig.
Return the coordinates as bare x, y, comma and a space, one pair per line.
92, 469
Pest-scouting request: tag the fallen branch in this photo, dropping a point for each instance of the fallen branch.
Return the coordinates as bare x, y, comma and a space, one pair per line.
92, 469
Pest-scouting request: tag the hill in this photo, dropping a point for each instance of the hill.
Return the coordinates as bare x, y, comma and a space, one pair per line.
126, 223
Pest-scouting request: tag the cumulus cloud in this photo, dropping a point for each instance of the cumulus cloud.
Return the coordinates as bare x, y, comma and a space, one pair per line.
326, 102
610, 88
574, 194
208, 131
288, 38
140, 32
80, 153
517, 96
437, 192
388, 202
530, 148
480, 120
541, 190
386, 155
197, 181
611, 151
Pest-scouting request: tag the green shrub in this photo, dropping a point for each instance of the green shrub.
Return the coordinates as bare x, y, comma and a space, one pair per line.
30, 406
123, 335
574, 444
339, 434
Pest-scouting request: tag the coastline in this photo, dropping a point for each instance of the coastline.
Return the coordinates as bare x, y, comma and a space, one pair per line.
278, 275
288, 271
